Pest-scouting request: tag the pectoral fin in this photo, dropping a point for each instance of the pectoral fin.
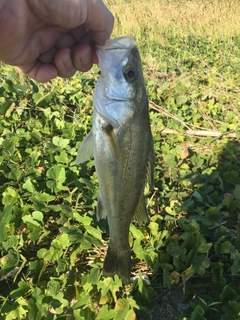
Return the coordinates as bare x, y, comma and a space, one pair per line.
141, 216
85, 151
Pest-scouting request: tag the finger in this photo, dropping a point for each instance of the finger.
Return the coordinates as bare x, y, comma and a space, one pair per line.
94, 55
82, 57
64, 64
66, 41
40, 72
100, 22
48, 57
71, 14
81, 34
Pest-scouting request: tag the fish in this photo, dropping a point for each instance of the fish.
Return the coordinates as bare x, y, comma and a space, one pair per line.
121, 143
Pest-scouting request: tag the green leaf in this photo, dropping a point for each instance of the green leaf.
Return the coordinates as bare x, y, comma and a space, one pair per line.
202, 219
198, 313
60, 142
171, 211
3, 232
10, 196
18, 311
171, 160
15, 174
190, 226
106, 314
131, 315
217, 270
53, 254
96, 233
53, 288
63, 157
42, 197
200, 264
166, 278
56, 173
10, 261
228, 294
174, 250
122, 308
232, 308
29, 219
181, 87
85, 220
204, 247
22, 290
236, 192
28, 185
235, 256
136, 232
11, 242
84, 299
198, 196
105, 285
62, 241
37, 97
37, 215
93, 276
110, 284
87, 313
232, 177
228, 199
225, 247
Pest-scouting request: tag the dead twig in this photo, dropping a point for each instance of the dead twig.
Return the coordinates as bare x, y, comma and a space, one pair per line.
201, 133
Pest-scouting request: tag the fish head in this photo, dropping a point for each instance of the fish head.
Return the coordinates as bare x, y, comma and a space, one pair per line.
120, 86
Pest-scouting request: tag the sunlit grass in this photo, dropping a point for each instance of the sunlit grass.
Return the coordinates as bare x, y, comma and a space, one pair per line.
207, 18
157, 25
197, 39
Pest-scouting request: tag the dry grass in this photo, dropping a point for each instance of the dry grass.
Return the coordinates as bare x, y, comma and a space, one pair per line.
208, 18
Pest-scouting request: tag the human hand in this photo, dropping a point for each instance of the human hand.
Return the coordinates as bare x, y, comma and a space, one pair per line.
49, 38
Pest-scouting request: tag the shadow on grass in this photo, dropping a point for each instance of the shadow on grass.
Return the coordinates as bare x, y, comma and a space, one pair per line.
215, 205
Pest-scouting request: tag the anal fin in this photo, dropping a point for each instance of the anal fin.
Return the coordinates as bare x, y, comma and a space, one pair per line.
100, 210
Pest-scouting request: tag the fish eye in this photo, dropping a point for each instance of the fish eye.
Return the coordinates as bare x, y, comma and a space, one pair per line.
129, 75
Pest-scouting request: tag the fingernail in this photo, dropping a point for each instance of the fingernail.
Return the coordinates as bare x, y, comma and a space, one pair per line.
67, 63
86, 58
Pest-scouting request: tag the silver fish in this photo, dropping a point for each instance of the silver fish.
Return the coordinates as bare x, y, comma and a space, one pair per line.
121, 142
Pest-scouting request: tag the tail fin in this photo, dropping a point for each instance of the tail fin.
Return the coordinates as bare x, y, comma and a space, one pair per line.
118, 263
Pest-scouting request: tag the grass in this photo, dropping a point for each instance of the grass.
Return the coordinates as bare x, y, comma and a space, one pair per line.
198, 39
51, 246
157, 23
156, 18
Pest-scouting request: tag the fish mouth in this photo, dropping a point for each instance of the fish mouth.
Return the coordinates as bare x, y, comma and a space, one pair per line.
126, 42
115, 98
114, 51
